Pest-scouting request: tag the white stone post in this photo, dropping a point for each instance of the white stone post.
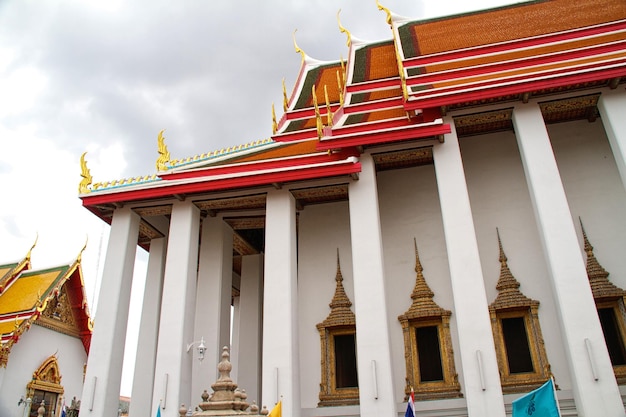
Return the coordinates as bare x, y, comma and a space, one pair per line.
214, 290
612, 106
247, 335
481, 378
578, 317
376, 383
281, 373
172, 376
101, 390
145, 358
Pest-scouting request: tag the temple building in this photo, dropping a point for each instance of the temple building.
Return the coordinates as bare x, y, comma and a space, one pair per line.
45, 332
413, 224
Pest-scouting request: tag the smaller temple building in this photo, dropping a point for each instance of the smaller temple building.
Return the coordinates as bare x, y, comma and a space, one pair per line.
45, 331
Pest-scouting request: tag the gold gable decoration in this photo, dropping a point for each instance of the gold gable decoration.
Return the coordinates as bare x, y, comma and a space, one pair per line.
512, 304
422, 313
58, 315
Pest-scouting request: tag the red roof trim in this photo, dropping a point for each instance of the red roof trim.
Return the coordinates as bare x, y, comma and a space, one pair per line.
395, 135
504, 87
517, 64
249, 167
346, 167
510, 46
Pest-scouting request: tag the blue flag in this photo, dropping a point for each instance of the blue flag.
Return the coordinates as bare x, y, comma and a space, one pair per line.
538, 403
158, 411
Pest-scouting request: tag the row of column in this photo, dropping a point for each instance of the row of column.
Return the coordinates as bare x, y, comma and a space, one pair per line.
185, 300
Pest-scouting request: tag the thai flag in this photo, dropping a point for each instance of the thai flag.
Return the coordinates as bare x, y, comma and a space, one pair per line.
63, 413
410, 406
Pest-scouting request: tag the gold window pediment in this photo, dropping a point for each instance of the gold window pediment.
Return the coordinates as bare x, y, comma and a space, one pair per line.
429, 357
339, 384
609, 300
520, 350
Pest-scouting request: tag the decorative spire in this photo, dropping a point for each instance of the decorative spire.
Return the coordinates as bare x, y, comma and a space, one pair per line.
422, 296
386, 10
295, 45
340, 312
601, 287
285, 101
274, 124
509, 294
329, 113
344, 30
83, 187
164, 154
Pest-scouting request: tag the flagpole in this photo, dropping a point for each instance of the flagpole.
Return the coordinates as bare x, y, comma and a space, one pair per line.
556, 399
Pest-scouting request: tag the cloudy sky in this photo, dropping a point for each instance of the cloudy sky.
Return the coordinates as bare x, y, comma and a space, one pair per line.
104, 76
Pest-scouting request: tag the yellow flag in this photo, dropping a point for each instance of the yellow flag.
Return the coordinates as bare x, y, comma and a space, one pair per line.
277, 411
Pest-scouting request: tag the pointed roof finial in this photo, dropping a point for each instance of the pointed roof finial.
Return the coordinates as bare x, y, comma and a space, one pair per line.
274, 124
164, 154
32, 247
285, 101
340, 88
502, 256
344, 30
386, 10
298, 50
80, 254
83, 187
329, 113
318, 116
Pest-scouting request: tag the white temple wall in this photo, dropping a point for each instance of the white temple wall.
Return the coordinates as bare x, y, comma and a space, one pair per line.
500, 198
409, 208
594, 191
322, 229
34, 347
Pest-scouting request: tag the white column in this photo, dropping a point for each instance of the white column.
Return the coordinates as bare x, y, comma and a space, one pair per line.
577, 312
247, 354
101, 390
376, 383
481, 377
214, 290
172, 376
612, 106
145, 359
281, 373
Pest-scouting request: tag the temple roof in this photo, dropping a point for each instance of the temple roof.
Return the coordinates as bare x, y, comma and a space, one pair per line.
52, 297
396, 91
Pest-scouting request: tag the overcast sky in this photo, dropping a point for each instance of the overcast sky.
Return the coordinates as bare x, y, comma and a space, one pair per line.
105, 76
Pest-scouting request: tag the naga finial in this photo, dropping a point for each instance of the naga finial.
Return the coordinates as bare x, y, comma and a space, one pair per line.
274, 124
386, 10
164, 154
344, 30
28, 255
340, 89
80, 254
83, 187
298, 50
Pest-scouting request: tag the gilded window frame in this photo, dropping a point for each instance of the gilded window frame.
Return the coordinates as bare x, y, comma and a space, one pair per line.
619, 309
